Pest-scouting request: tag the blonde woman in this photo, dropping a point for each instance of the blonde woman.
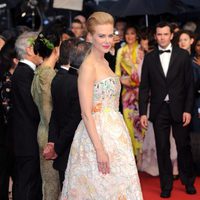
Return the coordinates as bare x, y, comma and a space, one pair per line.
101, 162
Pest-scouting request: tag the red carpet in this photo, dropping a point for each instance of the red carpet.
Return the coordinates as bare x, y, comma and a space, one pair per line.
151, 189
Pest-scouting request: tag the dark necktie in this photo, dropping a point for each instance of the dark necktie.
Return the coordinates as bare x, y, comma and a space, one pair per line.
164, 51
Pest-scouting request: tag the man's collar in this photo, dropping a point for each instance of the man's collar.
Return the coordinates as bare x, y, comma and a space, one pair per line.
169, 47
29, 63
65, 67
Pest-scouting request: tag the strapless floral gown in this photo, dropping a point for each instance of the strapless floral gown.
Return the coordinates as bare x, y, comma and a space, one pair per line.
83, 181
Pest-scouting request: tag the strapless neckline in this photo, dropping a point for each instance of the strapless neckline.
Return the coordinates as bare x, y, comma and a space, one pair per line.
106, 78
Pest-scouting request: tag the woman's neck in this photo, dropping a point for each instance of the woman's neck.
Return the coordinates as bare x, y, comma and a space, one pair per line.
50, 62
131, 45
98, 54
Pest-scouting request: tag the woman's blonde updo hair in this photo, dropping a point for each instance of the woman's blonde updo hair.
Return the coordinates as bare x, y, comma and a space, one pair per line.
98, 18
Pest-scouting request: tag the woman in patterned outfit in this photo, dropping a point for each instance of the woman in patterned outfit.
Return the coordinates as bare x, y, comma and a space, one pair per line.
128, 67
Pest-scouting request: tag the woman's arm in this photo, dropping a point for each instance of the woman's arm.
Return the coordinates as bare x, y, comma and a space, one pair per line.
86, 81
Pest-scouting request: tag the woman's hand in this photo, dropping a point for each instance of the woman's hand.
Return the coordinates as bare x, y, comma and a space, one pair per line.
144, 121
49, 152
103, 162
196, 60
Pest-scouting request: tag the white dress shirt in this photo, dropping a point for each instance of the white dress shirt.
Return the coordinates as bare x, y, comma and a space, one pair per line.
29, 63
66, 67
165, 59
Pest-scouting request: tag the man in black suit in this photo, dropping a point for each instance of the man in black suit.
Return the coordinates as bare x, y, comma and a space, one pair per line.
167, 81
27, 184
66, 113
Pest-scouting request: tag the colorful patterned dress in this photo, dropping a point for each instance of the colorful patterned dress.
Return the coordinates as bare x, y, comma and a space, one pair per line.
128, 64
83, 181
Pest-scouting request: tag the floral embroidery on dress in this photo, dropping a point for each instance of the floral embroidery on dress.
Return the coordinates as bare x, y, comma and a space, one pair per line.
97, 107
107, 92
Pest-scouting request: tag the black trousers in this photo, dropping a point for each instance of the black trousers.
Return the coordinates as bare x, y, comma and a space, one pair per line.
5, 173
6, 162
162, 125
27, 184
62, 178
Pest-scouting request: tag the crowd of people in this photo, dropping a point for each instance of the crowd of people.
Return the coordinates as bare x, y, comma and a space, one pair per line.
84, 108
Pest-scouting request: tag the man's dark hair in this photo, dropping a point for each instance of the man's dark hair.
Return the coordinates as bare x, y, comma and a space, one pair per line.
79, 52
163, 24
65, 48
78, 22
73, 51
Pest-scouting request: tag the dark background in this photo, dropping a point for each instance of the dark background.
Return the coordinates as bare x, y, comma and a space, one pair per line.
41, 12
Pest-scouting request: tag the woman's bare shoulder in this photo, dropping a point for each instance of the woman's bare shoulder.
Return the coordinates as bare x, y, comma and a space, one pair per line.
88, 64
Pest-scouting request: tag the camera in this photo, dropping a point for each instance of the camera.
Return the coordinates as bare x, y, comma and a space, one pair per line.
116, 32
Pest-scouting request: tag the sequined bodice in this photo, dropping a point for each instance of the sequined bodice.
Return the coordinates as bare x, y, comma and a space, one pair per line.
106, 94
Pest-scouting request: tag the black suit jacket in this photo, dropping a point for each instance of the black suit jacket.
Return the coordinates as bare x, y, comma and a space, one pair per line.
25, 117
178, 84
65, 116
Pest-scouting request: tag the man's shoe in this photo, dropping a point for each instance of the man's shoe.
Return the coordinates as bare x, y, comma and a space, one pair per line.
165, 194
190, 189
